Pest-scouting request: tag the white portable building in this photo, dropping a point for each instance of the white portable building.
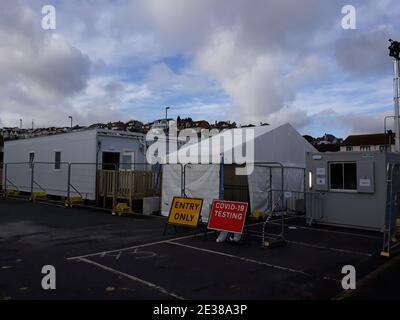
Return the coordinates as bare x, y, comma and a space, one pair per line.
86, 151
272, 144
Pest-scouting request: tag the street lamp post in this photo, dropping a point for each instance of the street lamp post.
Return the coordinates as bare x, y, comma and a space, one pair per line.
166, 115
70, 117
20, 123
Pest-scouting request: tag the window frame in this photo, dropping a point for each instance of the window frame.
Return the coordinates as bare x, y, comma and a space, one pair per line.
132, 164
343, 177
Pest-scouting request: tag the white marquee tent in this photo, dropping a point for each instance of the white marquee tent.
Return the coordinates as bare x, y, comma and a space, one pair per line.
281, 144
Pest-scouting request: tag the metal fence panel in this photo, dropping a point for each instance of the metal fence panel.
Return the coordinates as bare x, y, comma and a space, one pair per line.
83, 179
17, 176
50, 178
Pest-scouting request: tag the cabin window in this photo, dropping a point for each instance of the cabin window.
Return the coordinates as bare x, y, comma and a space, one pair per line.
349, 148
365, 148
31, 159
343, 176
57, 160
128, 161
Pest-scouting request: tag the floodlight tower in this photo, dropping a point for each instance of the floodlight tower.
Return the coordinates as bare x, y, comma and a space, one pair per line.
396, 101
394, 51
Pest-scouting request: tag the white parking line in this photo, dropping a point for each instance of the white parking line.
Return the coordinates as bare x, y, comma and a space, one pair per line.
330, 231
322, 247
146, 244
331, 248
137, 246
149, 284
239, 258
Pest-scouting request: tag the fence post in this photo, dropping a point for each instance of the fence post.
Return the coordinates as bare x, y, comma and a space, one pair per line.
270, 188
305, 180
115, 185
222, 179
283, 199
97, 183
32, 178
69, 184
5, 180
183, 179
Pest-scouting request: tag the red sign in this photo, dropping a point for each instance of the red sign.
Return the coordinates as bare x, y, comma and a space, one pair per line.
228, 216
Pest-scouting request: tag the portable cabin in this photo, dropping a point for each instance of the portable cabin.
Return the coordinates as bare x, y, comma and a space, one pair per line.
353, 189
75, 162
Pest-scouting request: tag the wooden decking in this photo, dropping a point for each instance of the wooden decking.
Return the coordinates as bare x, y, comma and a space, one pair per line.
127, 185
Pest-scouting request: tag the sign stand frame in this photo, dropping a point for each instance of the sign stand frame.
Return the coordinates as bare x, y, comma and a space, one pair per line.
202, 226
246, 234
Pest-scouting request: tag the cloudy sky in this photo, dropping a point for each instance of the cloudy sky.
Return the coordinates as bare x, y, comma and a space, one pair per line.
248, 61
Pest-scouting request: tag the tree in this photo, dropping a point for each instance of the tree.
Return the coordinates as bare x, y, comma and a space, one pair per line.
309, 138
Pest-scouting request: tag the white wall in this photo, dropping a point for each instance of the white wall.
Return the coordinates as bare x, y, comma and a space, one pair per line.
74, 147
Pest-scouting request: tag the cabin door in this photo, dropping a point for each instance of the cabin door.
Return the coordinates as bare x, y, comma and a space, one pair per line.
111, 160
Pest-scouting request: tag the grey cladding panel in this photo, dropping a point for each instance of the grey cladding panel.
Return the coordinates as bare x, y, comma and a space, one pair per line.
365, 176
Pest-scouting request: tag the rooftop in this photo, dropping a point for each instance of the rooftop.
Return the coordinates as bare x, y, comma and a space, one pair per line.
369, 139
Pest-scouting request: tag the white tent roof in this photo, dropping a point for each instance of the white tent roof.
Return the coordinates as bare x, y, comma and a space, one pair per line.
271, 144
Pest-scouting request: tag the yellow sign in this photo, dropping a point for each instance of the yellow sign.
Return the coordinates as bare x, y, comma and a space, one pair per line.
185, 211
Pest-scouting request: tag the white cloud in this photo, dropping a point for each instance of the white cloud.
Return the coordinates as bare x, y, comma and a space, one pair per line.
270, 60
39, 70
365, 53
161, 77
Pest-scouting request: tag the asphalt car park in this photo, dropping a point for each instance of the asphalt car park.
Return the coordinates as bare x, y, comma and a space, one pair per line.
100, 256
